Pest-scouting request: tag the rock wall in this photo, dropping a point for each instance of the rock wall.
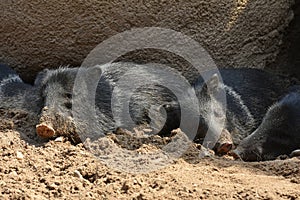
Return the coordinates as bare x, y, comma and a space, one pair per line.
36, 34
288, 60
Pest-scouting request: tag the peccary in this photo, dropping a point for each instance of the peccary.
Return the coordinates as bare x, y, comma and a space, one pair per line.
248, 92
10, 82
14, 93
129, 95
278, 134
121, 86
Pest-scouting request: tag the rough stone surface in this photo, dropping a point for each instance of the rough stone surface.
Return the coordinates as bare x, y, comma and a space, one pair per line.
288, 60
36, 34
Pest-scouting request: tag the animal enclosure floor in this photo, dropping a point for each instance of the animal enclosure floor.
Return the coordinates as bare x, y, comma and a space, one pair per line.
34, 169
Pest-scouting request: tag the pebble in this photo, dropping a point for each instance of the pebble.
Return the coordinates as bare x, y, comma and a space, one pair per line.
146, 130
295, 153
20, 156
13, 173
78, 174
59, 139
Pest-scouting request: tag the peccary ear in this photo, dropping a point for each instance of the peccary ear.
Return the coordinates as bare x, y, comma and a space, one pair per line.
40, 77
94, 72
212, 85
88, 76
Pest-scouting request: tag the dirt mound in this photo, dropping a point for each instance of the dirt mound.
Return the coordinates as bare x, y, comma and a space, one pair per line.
31, 168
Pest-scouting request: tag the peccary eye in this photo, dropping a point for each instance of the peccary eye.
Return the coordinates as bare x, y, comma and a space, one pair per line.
68, 105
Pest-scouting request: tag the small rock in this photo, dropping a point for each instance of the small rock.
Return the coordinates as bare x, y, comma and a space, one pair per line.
45, 108
13, 173
138, 132
295, 153
147, 130
2, 183
78, 174
20, 156
59, 139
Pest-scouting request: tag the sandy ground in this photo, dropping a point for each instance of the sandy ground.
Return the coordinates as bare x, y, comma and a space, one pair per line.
31, 168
